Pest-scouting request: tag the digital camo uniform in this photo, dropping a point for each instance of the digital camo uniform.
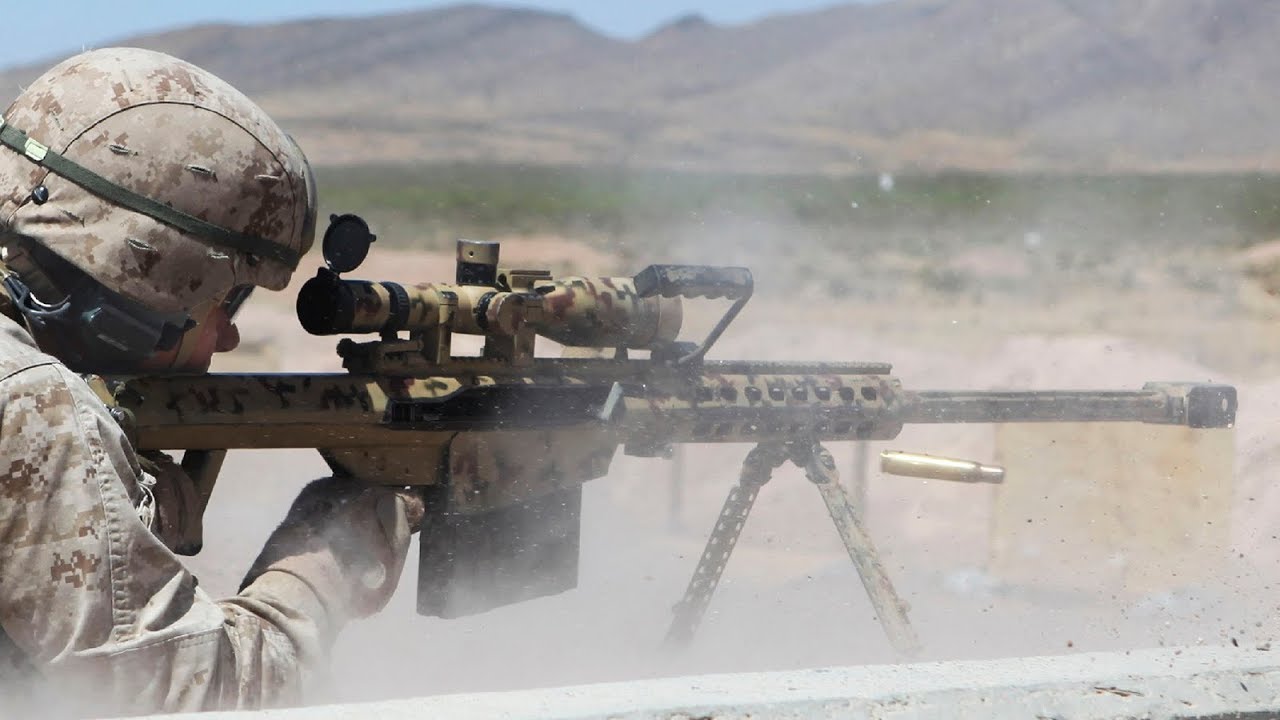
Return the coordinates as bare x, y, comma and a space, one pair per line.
97, 616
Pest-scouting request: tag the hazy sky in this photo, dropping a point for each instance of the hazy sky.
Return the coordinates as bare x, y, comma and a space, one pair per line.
95, 23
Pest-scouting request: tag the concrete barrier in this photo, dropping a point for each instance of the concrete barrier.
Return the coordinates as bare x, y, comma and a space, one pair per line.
1201, 682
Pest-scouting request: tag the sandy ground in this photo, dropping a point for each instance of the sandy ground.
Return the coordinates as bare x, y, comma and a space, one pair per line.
790, 598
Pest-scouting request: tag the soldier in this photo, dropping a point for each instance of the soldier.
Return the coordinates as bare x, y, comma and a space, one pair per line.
141, 200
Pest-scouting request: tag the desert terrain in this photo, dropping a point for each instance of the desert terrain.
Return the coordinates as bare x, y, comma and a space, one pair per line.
1013, 194
790, 598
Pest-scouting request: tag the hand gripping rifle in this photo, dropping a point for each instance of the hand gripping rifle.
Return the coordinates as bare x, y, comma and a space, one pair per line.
500, 443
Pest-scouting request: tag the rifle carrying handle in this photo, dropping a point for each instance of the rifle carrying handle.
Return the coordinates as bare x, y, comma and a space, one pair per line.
698, 281
694, 281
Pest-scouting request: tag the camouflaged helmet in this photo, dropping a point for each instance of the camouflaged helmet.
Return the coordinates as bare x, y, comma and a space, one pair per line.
157, 179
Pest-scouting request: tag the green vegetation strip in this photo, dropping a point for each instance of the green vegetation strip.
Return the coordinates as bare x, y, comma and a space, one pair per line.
443, 202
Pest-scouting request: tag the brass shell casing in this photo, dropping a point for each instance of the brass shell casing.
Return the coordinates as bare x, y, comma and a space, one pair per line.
939, 468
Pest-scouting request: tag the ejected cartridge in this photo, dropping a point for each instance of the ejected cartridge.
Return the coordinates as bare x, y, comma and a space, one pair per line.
939, 468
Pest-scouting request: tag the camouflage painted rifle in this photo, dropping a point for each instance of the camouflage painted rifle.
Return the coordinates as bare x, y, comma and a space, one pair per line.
501, 442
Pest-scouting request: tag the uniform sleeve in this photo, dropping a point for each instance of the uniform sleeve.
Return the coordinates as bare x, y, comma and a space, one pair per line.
98, 605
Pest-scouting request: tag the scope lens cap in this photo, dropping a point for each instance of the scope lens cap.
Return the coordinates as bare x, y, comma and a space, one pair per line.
346, 242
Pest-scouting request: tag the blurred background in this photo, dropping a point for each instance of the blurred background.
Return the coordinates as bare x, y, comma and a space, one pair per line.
986, 193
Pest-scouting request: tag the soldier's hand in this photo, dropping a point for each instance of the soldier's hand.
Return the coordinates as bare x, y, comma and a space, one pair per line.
414, 507
346, 540
171, 507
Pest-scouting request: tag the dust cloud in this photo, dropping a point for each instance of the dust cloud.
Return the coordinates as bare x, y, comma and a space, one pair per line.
975, 308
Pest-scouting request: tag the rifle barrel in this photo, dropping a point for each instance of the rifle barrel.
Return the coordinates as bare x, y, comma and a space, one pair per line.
1193, 405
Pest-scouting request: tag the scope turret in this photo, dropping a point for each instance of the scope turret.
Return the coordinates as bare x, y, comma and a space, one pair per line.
477, 262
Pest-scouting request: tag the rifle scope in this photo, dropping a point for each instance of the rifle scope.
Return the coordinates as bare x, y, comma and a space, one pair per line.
574, 311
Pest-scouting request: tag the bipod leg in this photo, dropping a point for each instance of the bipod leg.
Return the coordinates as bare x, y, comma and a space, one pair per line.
757, 468
890, 609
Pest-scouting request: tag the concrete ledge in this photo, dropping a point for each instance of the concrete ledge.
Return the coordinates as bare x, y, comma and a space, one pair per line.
1199, 682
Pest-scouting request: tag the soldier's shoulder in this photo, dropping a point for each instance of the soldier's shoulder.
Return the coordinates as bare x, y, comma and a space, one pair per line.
18, 353
34, 382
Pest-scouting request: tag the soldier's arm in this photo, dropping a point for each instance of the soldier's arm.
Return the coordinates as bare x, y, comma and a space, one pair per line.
103, 609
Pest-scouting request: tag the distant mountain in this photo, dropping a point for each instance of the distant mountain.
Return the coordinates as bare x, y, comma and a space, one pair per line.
980, 84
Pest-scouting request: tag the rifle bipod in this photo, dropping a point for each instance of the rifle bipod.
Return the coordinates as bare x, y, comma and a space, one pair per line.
820, 469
